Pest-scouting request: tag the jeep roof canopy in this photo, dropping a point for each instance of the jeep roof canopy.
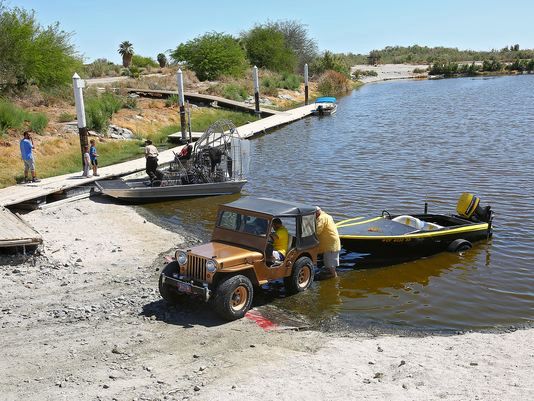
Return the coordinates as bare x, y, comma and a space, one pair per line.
270, 206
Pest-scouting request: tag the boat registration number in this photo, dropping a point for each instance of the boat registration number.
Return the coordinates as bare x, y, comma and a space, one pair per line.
184, 287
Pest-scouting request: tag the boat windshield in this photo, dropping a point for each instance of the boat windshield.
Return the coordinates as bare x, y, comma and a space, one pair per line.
231, 220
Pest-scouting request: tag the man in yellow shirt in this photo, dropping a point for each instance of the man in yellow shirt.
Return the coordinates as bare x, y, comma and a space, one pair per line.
280, 239
329, 243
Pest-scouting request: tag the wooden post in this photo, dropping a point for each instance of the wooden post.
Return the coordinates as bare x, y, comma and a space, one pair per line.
306, 84
78, 85
181, 102
256, 90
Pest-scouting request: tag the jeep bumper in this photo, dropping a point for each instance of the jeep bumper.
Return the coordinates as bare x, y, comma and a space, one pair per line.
185, 287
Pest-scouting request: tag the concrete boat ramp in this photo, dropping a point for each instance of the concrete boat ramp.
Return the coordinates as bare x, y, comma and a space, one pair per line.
15, 232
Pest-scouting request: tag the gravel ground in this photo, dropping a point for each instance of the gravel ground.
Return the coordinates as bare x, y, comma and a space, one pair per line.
82, 320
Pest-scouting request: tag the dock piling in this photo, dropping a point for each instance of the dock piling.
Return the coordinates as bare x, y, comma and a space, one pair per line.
181, 102
78, 85
306, 84
256, 91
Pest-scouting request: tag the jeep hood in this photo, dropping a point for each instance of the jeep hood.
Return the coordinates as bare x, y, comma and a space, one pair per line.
227, 255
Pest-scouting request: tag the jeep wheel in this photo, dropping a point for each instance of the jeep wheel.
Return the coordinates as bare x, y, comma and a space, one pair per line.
233, 297
301, 276
167, 292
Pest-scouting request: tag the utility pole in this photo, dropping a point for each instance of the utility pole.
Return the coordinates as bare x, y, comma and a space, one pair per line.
78, 85
181, 102
306, 84
256, 91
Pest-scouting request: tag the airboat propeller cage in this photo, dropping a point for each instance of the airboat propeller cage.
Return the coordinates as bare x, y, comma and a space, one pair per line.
222, 152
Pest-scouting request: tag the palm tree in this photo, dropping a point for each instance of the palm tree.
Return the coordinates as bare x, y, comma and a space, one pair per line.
162, 60
126, 51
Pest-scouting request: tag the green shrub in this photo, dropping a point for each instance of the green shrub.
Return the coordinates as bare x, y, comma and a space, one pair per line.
99, 109
330, 61
130, 103
66, 117
32, 54
101, 68
333, 83
266, 47
212, 55
234, 92
14, 117
172, 100
142, 62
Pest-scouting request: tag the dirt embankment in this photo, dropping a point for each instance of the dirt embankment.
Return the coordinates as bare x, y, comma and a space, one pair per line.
84, 321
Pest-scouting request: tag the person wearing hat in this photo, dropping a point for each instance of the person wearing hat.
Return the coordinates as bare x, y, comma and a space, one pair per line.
329, 243
151, 155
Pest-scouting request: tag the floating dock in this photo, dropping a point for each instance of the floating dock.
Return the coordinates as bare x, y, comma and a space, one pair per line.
15, 232
208, 100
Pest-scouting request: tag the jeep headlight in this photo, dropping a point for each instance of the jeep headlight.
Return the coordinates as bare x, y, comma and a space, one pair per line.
211, 266
181, 257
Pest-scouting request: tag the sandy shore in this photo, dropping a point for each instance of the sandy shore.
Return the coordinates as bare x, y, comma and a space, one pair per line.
84, 321
388, 72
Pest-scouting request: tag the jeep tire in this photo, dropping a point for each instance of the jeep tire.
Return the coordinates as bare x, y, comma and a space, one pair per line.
301, 277
233, 297
167, 292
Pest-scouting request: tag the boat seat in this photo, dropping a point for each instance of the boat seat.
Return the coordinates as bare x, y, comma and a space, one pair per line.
416, 223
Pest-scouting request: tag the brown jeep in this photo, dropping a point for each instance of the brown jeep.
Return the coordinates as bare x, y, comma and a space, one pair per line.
239, 256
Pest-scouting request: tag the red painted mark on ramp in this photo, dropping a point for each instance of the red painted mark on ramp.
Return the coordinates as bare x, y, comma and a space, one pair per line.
260, 320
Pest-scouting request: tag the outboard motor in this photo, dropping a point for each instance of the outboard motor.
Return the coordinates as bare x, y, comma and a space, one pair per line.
469, 207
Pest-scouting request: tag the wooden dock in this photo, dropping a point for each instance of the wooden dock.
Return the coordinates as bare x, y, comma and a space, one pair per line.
15, 232
22, 193
206, 99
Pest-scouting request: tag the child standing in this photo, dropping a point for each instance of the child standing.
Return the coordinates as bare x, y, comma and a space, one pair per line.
86, 161
93, 155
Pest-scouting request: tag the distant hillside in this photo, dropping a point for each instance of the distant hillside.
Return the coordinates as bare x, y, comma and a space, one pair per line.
423, 54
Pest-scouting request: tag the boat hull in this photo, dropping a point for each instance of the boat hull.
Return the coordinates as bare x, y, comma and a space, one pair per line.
121, 190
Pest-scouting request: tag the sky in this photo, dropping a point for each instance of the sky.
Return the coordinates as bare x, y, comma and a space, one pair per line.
156, 26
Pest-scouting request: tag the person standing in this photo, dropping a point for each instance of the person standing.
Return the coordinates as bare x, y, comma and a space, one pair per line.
151, 155
329, 243
94, 157
86, 161
26, 151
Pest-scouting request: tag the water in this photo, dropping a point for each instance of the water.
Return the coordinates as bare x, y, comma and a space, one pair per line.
394, 146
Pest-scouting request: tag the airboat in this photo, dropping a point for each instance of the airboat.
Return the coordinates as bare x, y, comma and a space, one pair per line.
216, 164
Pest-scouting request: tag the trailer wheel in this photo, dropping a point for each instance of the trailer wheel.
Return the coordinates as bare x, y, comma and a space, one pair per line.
233, 297
167, 292
459, 245
301, 276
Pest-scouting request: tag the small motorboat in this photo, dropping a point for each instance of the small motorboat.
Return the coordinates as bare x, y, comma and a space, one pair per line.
325, 106
398, 238
216, 165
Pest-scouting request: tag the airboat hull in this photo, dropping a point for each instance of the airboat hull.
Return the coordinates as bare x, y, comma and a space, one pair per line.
136, 190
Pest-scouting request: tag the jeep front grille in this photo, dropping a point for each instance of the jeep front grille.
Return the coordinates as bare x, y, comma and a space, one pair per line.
196, 268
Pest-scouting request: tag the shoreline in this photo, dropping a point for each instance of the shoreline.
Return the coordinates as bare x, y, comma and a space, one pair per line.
95, 327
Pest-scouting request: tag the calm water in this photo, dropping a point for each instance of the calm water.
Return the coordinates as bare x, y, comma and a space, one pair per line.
392, 146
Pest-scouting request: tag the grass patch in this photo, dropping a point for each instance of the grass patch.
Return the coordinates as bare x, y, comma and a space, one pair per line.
66, 117
13, 117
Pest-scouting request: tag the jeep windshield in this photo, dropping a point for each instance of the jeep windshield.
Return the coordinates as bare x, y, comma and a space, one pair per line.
239, 222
